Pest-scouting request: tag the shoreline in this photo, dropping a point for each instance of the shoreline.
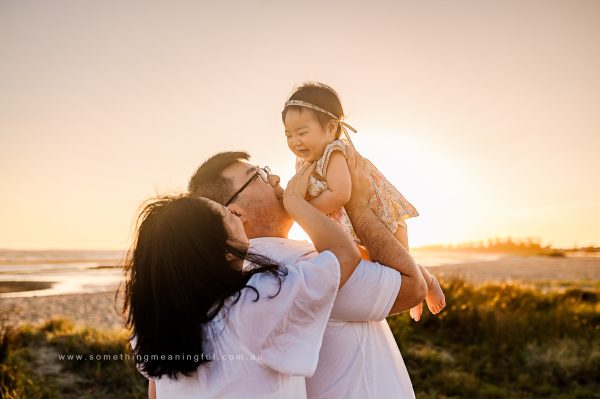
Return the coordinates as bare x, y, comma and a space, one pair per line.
507, 268
98, 309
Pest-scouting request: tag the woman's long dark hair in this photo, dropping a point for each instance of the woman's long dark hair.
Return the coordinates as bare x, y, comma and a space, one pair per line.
177, 280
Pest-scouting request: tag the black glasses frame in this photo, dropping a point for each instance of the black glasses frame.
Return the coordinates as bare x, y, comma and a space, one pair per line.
267, 172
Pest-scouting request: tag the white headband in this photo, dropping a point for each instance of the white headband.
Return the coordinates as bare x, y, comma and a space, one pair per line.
343, 124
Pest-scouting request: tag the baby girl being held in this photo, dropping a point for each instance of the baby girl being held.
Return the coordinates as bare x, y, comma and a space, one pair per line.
313, 127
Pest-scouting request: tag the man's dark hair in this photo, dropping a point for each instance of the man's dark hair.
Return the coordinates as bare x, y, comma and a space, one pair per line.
208, 181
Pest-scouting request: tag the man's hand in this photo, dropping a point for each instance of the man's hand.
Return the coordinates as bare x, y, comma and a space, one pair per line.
361, 184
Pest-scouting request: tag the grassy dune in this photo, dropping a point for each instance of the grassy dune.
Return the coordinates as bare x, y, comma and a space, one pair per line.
505, 341
30, 366
493, 341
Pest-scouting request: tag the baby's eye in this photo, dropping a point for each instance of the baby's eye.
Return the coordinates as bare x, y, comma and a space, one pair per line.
302, 133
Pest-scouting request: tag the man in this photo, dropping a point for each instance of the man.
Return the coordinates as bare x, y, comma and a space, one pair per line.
359, 357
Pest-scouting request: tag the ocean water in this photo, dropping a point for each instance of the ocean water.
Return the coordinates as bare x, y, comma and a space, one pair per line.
96, 271
69, 271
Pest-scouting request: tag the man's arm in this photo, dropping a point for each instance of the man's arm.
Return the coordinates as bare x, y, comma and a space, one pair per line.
402, 236
383, 247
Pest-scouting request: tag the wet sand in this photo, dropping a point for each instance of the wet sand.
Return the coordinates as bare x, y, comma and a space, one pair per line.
19, 286
98, 309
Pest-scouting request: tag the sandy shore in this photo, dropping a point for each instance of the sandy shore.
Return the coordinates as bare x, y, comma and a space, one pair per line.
522, 269
98, 309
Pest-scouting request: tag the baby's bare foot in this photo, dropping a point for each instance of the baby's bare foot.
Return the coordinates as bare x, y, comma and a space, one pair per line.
415, 313
436, 301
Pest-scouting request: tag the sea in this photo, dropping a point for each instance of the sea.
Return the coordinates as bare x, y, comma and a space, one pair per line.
77, 271
66, 271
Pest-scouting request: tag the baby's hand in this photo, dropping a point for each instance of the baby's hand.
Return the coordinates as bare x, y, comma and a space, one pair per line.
296, 187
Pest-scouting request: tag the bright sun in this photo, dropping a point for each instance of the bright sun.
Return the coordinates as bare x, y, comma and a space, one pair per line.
435, 183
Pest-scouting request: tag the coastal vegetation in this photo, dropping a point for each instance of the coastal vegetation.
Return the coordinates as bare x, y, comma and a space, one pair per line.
506, 341
527, 246
40, 362
492, 341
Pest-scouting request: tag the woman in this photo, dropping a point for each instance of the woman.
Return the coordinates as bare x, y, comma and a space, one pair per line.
209, 319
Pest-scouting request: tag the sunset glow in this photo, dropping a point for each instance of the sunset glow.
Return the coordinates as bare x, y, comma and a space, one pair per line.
485, 117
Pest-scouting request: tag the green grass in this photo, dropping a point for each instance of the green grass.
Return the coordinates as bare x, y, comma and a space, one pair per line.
505, 341
30, 366
492, 341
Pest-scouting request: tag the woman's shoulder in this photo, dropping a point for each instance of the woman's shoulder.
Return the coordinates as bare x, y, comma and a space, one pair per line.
323, 267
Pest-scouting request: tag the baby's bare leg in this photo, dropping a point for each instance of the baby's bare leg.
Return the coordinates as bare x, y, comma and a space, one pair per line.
436, 301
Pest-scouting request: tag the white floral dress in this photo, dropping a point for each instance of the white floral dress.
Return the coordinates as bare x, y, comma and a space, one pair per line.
386, 201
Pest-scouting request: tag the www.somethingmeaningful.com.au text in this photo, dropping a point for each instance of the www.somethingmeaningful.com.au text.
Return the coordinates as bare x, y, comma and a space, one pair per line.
146, 358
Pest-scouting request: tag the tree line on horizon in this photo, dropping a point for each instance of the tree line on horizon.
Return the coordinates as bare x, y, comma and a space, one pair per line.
528, 245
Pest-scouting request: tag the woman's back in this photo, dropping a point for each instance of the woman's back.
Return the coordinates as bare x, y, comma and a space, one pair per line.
265, 347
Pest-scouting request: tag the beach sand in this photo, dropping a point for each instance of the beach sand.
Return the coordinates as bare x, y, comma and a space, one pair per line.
98, 309
525, 269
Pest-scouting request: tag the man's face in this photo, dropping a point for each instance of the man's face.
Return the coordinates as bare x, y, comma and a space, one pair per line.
260, 203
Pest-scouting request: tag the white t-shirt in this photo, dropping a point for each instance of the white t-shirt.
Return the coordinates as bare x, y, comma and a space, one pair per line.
359, 357
265, 348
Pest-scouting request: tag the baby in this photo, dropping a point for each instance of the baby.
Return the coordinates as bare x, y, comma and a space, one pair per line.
313, 126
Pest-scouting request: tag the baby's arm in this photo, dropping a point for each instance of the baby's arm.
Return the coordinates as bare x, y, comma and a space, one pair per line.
339, 185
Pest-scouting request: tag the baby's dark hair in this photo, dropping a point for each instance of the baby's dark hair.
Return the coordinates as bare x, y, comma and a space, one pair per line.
322, 96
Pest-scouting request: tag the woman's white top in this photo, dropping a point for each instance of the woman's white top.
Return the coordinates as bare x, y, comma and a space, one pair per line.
265, 348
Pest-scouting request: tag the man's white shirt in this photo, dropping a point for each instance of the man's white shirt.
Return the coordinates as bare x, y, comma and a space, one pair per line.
359, 357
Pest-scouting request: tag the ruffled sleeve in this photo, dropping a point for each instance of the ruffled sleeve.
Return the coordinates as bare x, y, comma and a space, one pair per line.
336, 145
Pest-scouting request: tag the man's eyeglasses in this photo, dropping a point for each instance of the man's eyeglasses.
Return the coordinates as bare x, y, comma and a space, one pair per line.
263, 173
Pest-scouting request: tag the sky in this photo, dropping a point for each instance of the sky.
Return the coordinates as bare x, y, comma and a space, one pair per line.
485, 115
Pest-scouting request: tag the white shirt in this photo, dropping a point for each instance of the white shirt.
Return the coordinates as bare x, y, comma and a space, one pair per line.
265, 348
359, 357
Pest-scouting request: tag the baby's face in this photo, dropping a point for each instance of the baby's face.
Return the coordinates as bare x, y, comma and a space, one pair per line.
305, 136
